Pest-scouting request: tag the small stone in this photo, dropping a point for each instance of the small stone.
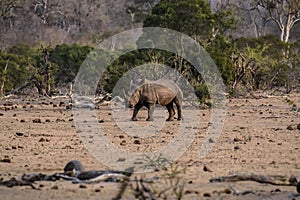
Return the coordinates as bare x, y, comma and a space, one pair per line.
298, 187
6, 160
227, 191
136, 142
101, 121
236, 147
47, 120
42, 140
1, 114
97, 190
22, 120
207, 194
19, 134
37, 120
206, 169
55, 187
237, 139
123, 143
83, 186
211, 140
289, 127
298, 126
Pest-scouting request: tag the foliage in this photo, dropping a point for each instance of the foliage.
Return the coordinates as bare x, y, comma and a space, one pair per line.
14, 71
69, 58
275, 67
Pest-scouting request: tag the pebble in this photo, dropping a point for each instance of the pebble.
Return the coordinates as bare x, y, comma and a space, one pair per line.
37, 120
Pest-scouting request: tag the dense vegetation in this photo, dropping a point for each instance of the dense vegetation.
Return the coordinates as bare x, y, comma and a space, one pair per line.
264, 62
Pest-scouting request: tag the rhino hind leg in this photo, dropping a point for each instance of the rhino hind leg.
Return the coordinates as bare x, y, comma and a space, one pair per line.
179, 106
171, 111
150, 112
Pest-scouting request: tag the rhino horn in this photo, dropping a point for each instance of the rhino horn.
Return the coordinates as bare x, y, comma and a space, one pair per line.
126, 95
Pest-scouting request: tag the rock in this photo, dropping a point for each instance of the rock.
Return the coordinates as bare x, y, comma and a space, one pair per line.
206, 169
123, 143
289, 127
236, 147
19, 134
211, 140
83, 186
136, 142
298, 126
72, 166
8, 104
60, 120
37, 120
1, 114
22, 120
237, 139
6, 159
298, 187
207, 194
55, 187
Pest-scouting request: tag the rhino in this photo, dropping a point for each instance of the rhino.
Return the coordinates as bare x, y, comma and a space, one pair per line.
165, 93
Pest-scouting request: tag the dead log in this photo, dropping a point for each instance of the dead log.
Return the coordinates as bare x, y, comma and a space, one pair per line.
268, 179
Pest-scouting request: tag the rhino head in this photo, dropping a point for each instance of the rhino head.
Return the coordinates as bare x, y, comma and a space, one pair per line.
134, 98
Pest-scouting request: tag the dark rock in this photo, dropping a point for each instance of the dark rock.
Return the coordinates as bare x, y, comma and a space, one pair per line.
60, 120
207, 195
289, 127
206, 169
55, 187
82, 186
37, 120
136, 142
298, 187
298, 126
19, 134
73, 165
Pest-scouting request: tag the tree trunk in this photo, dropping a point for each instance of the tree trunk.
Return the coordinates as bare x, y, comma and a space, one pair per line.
3, 78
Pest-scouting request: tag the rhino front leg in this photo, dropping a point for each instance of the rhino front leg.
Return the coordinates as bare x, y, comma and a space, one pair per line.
137, 107
171, 111
150, 112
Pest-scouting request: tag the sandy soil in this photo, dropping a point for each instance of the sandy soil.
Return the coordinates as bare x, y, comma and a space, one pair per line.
260, 136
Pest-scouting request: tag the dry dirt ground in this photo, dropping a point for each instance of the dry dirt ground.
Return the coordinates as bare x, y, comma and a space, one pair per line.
260, 136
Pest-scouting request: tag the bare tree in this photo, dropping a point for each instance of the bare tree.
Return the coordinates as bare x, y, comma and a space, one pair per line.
284, 13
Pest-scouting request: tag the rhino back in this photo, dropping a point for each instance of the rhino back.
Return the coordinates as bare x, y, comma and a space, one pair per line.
157, 93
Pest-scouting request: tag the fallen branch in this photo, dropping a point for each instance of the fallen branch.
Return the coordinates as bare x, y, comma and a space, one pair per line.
269, 179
